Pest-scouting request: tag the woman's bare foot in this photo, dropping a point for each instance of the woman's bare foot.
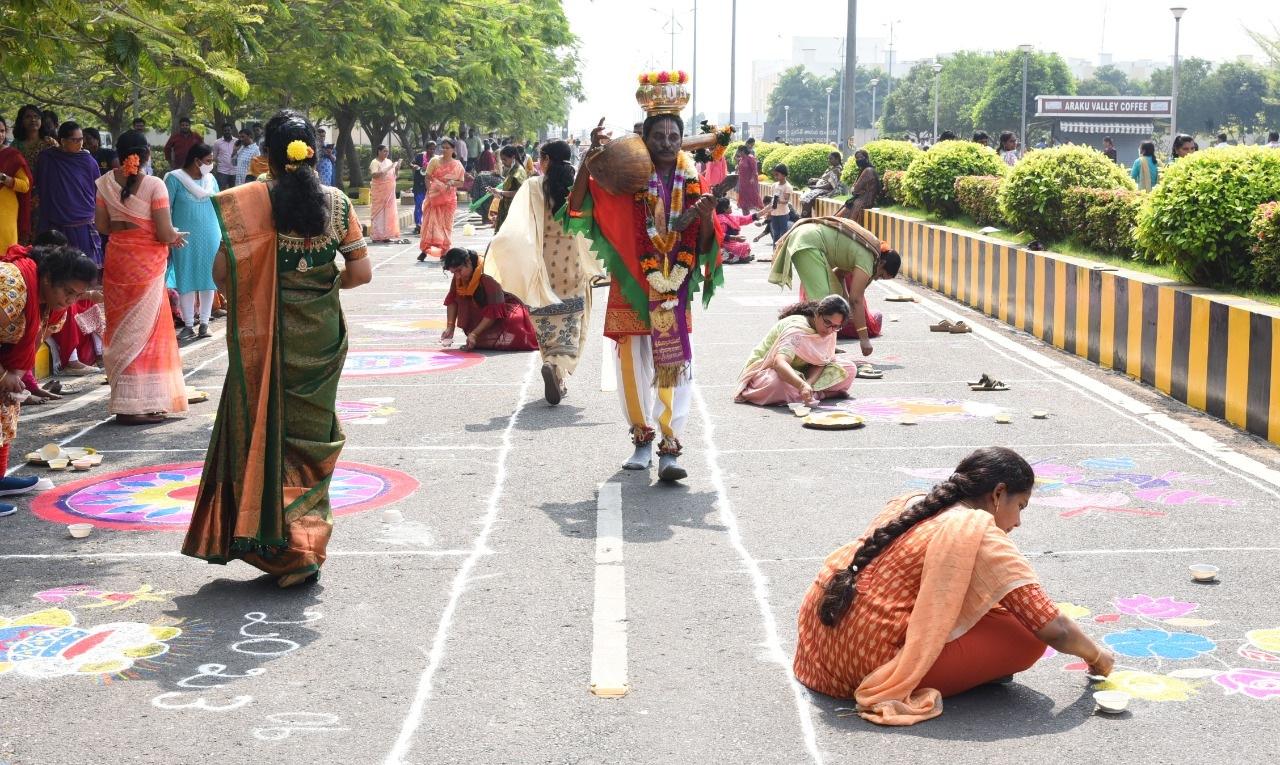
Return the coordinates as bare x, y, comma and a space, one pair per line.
290, 580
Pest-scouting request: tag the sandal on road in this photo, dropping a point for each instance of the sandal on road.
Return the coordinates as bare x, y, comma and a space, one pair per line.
987, 383
942, 326
959, 328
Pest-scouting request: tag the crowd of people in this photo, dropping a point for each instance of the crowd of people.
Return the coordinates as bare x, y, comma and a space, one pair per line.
932, 600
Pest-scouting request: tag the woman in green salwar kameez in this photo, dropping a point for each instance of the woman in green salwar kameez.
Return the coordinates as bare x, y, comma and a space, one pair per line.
264, 493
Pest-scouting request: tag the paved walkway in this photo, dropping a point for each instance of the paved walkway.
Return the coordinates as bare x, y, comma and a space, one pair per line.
472, 630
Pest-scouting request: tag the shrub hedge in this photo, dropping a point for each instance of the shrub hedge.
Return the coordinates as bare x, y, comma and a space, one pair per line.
1265, 264
931, 179
1032, 196
978, 196
891, 185
1198, 218
807, 162
886, 155
765, 150
1103, 220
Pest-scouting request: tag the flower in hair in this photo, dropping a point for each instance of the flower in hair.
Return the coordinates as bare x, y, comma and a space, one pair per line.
132, 165
298, 151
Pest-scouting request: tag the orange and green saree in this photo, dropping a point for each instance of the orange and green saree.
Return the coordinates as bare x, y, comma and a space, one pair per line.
264, 493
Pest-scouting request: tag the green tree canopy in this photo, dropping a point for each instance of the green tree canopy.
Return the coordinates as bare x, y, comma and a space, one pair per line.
1000, 107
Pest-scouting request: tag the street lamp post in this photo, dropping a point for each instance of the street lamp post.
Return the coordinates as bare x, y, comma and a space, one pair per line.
826, 133
937, 67
1177, 64
874, 82
786, 122
888, 86
1022, 137
733, 59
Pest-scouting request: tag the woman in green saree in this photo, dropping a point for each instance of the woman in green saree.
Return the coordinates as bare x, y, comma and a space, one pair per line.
264, 493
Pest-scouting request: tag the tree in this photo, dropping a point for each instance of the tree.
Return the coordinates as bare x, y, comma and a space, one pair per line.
1197, 102
909, 110
1241, 89
1000, 107
961, 83
1108, 81
799, 102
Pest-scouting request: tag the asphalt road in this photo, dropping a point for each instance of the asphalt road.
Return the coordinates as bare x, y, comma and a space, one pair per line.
466, 632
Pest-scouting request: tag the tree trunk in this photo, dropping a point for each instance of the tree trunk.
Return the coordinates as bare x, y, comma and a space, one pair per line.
180, 104
345, 121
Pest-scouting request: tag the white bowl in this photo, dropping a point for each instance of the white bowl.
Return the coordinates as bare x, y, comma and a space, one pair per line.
1112, 702
50, 452
79, 530
1203, 572
392, 515
58, 464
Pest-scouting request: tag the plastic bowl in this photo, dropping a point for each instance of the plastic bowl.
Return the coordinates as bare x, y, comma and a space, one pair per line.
79, 530
1203, 572
58, 464
1112, 702
82, 464
50, 452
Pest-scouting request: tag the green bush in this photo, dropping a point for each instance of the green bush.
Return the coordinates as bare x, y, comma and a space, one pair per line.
1031, 198
886, 155
1103, 220
765, 150
931, 179
891, 187
807, 162
1266, 247
780, 155
978, 196
1198, 217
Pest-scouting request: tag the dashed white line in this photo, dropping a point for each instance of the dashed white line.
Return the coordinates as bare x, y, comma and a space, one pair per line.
609, 614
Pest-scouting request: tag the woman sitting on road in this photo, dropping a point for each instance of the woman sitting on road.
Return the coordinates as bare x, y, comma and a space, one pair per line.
491, 318
796, 361
934, 599
824, 251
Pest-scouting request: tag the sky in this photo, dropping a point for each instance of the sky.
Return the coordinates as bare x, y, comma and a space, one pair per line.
621, 38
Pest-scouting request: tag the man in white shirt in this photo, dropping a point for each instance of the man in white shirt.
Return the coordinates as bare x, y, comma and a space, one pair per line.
459, 149
224, 167
1273, 140
1222, 141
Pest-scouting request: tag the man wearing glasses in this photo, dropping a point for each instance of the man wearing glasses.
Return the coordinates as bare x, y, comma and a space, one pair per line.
65, 175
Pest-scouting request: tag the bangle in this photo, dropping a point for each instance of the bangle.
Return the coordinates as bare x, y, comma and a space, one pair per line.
859, 329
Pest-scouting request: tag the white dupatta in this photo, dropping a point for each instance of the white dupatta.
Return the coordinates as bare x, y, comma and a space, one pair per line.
515, 258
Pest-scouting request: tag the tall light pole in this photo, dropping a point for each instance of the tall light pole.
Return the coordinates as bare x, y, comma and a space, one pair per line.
846, 123
937, 67
1177, 66
888, 88
826, 132
874, 82
786, 122
1022, 137
733, 59
693, 87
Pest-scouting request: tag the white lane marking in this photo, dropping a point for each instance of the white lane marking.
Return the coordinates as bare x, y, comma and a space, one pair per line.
398, 253
921, 447
413, 718
608, 369
1053, 553
177, 554
1202, 445
609, 614
760, 586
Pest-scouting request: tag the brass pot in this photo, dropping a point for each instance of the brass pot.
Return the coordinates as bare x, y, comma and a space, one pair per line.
624, 166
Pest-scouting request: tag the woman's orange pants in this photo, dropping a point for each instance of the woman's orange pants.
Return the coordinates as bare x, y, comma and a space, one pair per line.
997, 646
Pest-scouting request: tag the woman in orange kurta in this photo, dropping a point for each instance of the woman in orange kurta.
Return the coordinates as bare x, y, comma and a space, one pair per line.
445, 175
934, 599
141, 353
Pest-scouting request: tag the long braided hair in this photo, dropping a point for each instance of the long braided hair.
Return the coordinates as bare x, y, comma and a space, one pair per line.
979, 473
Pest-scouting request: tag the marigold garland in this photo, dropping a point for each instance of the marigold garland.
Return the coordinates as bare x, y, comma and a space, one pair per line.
132, 165
662, 277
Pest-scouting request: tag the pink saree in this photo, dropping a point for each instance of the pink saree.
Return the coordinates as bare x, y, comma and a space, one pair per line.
440, 205
384, 222
795, 340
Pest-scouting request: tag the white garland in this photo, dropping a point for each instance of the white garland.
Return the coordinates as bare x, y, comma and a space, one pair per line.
669, 283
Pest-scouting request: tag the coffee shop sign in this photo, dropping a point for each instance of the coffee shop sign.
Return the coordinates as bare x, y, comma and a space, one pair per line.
1101, 106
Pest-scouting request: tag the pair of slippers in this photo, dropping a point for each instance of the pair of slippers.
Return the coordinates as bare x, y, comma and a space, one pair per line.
957, 328
987, 383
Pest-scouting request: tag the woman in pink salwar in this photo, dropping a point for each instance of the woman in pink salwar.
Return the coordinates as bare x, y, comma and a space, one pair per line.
384, 204
797, 362
748, 178
444, 176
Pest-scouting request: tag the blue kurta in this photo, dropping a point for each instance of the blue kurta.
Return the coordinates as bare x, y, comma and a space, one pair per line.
191, 267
